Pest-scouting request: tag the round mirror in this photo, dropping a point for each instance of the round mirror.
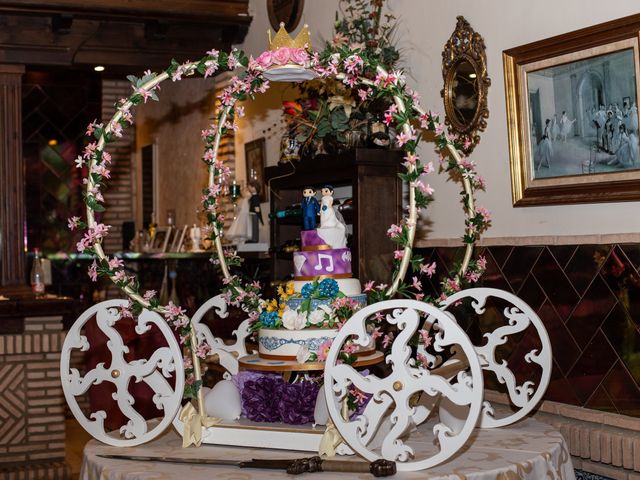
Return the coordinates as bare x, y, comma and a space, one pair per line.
464, 94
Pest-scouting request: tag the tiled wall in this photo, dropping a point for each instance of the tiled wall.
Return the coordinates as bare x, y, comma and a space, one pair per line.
588, 297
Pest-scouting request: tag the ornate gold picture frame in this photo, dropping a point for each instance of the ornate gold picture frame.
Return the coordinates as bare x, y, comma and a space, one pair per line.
466, 84
572, 116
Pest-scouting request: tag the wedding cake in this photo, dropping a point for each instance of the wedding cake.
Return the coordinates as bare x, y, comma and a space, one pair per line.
306, 319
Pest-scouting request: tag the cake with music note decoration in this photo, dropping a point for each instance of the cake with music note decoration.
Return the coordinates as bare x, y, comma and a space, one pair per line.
301, 324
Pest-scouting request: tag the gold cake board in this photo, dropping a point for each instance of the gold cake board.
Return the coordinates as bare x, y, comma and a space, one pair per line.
254, 362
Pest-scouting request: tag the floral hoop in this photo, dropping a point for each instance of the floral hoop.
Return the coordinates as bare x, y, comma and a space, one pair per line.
349, 66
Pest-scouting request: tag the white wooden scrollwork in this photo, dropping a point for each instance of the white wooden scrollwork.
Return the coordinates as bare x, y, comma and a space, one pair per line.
518, 317
459, 380
227, 354
164, 363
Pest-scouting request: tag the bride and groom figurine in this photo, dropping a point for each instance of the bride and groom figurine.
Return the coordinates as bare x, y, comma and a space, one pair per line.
332, 227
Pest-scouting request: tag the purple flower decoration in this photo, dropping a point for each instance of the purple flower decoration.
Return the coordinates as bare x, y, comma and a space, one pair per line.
297, 402
243, 377
260, 398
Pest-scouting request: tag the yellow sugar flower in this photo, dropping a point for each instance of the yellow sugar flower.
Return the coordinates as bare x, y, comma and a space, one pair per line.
284, 295
272, 305
290, 290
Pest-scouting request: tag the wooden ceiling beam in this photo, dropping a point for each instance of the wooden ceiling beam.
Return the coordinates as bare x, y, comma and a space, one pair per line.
201, 11
32, 38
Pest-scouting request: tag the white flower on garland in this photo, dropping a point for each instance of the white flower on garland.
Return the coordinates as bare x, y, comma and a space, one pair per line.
291, 320
303, 354
316, 317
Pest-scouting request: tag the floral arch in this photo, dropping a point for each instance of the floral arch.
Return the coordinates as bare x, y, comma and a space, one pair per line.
353, 68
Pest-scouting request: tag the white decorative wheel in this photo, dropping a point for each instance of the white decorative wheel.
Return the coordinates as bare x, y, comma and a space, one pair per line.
518, 318
456, 382
228, 354
154, 371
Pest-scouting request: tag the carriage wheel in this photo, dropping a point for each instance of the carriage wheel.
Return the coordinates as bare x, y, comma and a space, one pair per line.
391, 414
518, 317
164, 363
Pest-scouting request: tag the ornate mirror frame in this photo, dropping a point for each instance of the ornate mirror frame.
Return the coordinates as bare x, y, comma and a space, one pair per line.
288, 12
465, 45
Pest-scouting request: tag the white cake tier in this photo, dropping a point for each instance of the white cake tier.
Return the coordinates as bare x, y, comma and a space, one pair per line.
348, 286
282, 344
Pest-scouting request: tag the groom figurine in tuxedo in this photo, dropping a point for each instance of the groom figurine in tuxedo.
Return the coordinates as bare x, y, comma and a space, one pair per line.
310, 208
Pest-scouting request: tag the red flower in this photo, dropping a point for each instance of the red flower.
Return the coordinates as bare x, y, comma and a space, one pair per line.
291, 108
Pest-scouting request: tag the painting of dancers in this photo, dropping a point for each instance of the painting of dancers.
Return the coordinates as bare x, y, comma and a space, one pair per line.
582, 118
573, 116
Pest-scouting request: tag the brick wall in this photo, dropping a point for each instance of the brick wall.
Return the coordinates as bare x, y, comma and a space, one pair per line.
32, 404
120, 196
226, 153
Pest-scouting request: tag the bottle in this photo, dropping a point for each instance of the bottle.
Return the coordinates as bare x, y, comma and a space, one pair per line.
290, 211
152, 226
163, 296
173, 296
37, 274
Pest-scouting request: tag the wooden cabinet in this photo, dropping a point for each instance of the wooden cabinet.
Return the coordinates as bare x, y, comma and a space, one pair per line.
371, 177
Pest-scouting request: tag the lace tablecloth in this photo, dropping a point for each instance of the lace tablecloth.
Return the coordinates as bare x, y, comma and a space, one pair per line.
528, 450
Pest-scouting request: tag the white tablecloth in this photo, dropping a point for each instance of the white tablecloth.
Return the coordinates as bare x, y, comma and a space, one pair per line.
528, 450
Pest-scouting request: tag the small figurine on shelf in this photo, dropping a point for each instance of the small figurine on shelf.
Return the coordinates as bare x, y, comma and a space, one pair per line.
242, 229
195, 235
310, 208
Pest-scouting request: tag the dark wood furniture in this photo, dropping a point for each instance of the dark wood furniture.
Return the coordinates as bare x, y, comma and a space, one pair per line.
377, 203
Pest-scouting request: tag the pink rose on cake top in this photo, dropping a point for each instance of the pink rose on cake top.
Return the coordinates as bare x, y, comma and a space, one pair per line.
288, 59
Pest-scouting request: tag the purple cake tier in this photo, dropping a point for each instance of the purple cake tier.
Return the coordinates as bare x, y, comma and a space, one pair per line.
314, 263
310, 238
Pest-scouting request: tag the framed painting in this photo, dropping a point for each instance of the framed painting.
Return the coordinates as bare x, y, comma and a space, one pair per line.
256, 158
161, 240
572, 113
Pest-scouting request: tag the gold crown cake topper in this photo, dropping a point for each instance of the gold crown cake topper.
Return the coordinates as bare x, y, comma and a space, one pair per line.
283, 39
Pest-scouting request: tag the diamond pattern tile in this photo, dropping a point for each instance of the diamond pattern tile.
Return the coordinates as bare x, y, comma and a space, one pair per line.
600, 400
57, 106
588, 297
562, 253
595, 362
493, 276
633, 254
500, 254
585, 263
519, 265
624, 392
624, 337
560, 388
565, 349
591, 311
532, 293
555, 283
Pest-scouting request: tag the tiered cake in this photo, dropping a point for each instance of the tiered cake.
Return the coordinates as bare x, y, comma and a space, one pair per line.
322, 284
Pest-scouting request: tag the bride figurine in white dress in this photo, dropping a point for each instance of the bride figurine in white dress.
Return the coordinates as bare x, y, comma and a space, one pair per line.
332, 227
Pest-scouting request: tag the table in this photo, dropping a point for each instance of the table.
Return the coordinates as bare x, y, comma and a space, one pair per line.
527, 450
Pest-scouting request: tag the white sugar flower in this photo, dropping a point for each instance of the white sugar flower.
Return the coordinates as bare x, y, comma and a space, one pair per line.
303, 354
316, 317
291, 320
